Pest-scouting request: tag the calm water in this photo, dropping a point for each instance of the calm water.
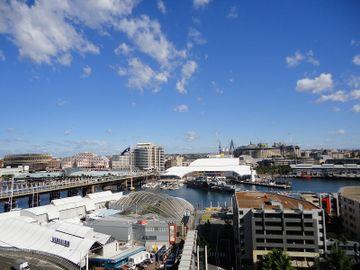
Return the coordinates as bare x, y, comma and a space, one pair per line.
203, 198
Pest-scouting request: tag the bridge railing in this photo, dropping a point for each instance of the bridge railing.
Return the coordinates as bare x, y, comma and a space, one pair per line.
35, 187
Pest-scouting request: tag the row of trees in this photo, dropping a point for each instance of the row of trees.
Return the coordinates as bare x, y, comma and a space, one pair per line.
336, 259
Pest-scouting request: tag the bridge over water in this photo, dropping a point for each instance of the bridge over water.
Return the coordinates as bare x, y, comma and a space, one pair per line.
10, 191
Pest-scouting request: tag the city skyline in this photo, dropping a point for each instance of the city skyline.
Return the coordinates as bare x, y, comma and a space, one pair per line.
102, 76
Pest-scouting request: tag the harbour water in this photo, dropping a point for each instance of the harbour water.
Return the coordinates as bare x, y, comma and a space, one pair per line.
201, 198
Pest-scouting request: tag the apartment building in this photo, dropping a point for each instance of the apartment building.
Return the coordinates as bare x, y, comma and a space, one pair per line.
120, 162
148, 156
266, 221
349, 200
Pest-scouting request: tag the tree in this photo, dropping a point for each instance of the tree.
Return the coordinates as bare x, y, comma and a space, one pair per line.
337, 259
275, 260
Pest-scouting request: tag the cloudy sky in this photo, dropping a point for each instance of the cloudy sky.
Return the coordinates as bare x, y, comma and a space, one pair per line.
99, 75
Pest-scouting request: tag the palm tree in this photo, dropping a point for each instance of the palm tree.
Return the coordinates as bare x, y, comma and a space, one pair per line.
275, 260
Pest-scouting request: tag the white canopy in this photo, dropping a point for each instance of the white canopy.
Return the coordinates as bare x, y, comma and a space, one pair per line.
211, 165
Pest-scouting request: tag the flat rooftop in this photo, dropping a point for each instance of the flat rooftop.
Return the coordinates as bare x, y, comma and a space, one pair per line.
351, 192
254, 199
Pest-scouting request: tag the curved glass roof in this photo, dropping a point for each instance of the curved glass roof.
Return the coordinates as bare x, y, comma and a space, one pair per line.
144, 202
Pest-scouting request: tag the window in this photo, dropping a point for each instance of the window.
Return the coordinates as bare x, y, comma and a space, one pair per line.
151, 237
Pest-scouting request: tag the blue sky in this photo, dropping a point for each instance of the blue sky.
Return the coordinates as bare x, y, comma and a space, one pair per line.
102, 75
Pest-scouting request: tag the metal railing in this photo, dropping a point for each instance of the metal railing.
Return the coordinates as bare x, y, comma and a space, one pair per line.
29, 188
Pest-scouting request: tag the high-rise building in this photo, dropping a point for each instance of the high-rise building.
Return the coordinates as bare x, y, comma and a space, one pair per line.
148, 156
349, 199
266, 221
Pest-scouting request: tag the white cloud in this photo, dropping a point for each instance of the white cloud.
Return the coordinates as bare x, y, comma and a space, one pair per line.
67, 132
123, 48
191, 136
181, 108
233, 12
355, 94
109, 131
340, 132
187, 71
200, 3
338, 96
310, 58
356, 108
142, 76
2, 56
149, 39
50, 31
353, 81
356, 60
86, 71
298, 57
316, 85
196, 36
161, 6
293, 61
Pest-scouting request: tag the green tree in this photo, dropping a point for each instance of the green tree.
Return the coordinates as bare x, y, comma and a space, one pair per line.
275, 260
337, 259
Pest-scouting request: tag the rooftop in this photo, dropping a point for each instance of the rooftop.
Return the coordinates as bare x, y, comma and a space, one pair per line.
351, 192
270, 201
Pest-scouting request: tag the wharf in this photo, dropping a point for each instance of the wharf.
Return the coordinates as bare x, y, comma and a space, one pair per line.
265, 184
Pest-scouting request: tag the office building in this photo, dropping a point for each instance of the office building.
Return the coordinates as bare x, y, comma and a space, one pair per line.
120, 162
266, 221
349, 199
148, 156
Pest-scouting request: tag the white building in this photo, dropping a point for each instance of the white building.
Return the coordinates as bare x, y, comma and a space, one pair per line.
212, 165
56, 230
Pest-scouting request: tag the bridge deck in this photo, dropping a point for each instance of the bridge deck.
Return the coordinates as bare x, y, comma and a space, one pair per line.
28, 189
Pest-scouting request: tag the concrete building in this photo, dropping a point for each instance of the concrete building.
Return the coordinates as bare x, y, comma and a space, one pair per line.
120, 162
35, 162
264, 221
349, 199
85, 160
263, 150
327, 170
174, 161
148, 156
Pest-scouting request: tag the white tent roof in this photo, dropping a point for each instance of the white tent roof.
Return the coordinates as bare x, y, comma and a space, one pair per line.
15, 232
211, 165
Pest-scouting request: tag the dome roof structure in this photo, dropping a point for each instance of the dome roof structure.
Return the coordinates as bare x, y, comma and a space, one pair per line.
144, 202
